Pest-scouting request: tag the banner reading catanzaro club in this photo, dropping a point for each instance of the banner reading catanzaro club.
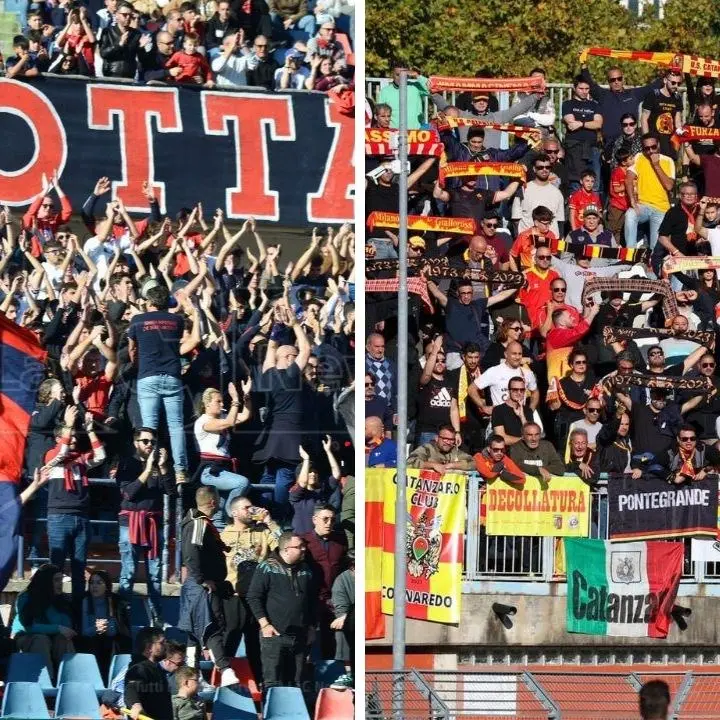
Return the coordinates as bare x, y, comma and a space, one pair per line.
284, 157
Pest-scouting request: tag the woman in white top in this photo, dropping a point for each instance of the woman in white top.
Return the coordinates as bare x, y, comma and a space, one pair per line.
213, 439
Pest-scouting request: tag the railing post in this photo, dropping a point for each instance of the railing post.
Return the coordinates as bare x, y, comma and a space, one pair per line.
178, 520
166, 538
472, 535
20, 553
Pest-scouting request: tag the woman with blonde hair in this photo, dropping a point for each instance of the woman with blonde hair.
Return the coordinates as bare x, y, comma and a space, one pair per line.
212, 433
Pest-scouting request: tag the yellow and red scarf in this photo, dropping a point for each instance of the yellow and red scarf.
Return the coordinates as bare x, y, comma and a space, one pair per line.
422, 223
474, 169
691, 64
532, 135
439, 83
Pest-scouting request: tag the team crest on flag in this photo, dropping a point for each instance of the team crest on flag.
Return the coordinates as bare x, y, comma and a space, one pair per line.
424, 542
625, 567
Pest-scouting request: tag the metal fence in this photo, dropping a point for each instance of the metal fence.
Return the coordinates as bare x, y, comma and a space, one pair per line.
535, 694
558, 93
515, 558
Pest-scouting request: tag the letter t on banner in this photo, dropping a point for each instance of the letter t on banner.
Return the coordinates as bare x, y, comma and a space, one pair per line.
249, 114
136, 141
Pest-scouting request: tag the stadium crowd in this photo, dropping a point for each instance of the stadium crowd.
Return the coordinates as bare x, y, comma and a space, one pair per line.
288, 44
574, 329
188, 362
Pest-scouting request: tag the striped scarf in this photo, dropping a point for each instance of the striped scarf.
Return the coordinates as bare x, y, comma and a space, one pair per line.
615, 334
639, 285
422, 223
439, 83
463, 383
585, 250
681, 62
415, 285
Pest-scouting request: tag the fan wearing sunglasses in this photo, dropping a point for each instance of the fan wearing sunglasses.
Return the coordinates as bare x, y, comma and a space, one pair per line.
42, 216
662, 112
691, 460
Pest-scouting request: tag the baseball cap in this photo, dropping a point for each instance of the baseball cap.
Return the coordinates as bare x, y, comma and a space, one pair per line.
417, 242
591, 210
293, 54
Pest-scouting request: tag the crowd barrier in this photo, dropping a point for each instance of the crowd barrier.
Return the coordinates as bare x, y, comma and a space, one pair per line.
515, 558
172, 517
558, 93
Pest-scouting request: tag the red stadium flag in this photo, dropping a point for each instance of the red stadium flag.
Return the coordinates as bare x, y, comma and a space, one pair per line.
22, 362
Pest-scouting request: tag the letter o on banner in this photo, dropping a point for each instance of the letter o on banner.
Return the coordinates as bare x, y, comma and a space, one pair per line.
19, 187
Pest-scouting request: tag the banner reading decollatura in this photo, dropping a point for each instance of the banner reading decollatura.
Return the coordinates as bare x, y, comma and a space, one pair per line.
433, 549
558, 508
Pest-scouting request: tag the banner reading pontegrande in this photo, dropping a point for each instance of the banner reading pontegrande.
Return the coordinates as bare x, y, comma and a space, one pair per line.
649, 508
560, 508
433, 546
623, 590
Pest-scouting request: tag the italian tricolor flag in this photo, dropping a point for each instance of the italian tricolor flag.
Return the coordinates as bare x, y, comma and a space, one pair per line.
621, 589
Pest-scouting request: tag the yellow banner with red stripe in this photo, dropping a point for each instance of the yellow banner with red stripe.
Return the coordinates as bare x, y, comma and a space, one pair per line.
558, 508
434, 543
422, 223
681, 62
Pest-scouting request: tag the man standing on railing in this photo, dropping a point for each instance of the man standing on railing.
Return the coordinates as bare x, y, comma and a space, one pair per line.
68, 522
143, 480
417, 90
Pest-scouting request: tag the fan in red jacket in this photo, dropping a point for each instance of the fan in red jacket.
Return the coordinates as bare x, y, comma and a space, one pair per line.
493, 463
188, 66
41, 217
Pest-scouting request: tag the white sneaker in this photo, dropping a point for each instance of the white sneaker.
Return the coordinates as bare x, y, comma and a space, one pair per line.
228, 677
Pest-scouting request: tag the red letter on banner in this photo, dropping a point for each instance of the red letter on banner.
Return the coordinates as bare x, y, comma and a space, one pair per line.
133, 108
334, 200
249, 114
20, 186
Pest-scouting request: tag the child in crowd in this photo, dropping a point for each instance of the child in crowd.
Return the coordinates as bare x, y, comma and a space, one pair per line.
583, 197
188, 65
186, 704
618, 198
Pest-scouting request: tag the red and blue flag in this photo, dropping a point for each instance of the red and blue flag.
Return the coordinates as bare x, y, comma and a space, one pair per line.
22, 366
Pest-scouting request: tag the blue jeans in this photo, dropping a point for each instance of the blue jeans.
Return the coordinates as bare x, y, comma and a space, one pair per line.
304, 24
168, 391
633, 218
130, 555
224, 482
282, 476
68, 536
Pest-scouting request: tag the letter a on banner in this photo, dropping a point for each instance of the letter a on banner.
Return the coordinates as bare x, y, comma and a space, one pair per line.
433, 546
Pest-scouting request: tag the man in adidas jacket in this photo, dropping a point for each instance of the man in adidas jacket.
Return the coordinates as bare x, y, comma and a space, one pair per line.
283, 597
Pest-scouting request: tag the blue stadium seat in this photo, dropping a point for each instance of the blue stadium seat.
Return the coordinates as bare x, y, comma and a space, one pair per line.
77, 699
30, 667
287, 703
230, 705
118, 663
328, 671
81, 668
24, 700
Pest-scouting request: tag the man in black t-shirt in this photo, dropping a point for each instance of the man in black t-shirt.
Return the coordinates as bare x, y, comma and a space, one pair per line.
662, 112
155, 347
582, 119
509, 417
437, 402
676, 234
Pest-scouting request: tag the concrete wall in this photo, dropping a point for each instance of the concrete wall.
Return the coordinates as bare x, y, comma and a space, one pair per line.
540, 622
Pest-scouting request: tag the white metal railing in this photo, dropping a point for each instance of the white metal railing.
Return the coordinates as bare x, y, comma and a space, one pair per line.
558, 93
507, 558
